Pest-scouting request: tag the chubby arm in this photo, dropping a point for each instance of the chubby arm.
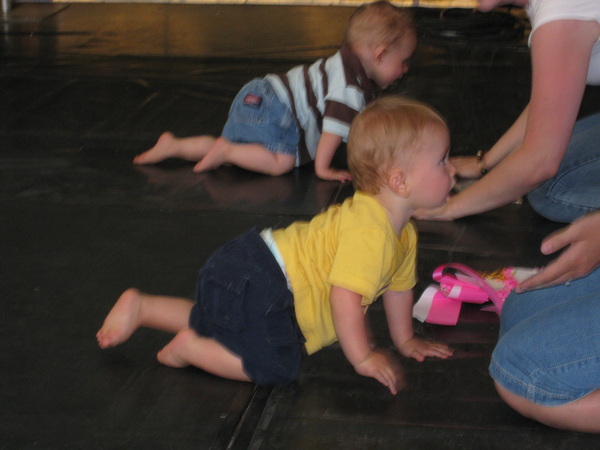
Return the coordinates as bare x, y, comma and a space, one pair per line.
560, 54
398, 310
352, 333
328, 145
581, 241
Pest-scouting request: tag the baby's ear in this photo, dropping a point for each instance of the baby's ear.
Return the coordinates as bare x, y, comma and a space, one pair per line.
397, 183
378, 52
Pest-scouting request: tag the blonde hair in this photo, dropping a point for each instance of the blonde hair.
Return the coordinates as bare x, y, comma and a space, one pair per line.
379, 23
386, 134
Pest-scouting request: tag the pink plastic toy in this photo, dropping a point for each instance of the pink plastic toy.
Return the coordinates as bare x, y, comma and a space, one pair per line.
459, 283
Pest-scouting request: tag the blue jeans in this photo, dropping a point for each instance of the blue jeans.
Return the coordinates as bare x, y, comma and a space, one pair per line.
549, 346
257, 116
575, 189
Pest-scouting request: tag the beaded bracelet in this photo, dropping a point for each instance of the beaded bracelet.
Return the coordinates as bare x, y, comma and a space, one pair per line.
483, 169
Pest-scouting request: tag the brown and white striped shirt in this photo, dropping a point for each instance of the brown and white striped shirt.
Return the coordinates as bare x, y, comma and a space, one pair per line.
324, 96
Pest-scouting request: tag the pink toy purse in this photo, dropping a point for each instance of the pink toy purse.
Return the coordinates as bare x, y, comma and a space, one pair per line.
459, 283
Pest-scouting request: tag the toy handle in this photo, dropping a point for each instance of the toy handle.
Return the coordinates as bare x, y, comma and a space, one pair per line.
438, 274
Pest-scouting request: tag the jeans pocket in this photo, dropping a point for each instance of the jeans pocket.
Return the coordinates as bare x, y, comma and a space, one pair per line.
225, 305
252, 104
280, 321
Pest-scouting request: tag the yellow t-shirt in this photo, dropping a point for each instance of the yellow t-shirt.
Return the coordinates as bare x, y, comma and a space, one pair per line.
352, 245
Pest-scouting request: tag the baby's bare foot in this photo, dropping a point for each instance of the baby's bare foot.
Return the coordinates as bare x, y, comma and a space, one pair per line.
173, 354
158, 153
215, 157
122, 320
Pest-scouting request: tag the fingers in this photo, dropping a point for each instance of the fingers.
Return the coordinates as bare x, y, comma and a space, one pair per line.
383, 367
387, 378
442, 353
342, 176
391, 377
436, 214
567, 267
439, 351
540, 280
576, 261
335, 175
541, 283
558, 272
345, 178
466, 166
420, 349
579, 259
555, 241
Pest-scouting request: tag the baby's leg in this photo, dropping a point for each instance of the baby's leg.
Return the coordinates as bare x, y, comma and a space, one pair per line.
254, 157
189, 349
135, 309
168, 146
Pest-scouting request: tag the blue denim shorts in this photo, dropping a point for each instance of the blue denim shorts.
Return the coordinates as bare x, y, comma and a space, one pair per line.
243, 302
257, 116
575, 189
549, 346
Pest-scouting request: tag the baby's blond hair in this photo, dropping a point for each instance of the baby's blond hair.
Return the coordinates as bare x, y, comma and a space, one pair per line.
379, 23
386, 135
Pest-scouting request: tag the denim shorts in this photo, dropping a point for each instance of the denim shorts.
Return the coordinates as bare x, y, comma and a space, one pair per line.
575, 189
243, 302
257, 116
549, 346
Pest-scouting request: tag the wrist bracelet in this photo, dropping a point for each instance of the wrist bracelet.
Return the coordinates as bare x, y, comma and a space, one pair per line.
482, 167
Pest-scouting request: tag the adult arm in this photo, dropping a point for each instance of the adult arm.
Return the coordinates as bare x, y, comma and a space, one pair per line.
328, 145
581, 241
470, 167
352, 333
560, 54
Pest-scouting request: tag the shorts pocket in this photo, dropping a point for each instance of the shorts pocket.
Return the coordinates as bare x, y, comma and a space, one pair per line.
223, 300
252, 105
280, 321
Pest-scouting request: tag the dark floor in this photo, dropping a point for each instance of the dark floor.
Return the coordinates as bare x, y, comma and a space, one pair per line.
83, 88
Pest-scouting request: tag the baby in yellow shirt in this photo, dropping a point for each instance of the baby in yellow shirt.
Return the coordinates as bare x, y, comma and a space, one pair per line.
266, 299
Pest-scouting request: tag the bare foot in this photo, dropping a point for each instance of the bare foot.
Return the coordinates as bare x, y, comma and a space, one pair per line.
122, 320
158, 153
215, 157
172, 354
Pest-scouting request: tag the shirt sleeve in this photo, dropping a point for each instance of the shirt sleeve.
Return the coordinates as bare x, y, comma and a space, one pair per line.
368, 262
340, 109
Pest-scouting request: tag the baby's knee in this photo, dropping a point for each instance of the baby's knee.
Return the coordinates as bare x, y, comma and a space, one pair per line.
283, 164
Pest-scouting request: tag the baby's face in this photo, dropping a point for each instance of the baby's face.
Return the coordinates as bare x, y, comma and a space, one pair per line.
394, 62
432, 174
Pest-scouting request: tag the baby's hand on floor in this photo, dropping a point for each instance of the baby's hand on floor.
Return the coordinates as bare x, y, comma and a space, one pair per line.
331, 174
384, 367
419, 349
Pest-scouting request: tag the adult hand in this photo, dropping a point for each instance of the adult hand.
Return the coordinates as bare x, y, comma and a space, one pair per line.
581, 241
466, 166
440, 213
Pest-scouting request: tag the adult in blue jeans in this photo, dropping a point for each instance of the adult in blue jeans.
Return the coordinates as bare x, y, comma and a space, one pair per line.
546, 364
547, 361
